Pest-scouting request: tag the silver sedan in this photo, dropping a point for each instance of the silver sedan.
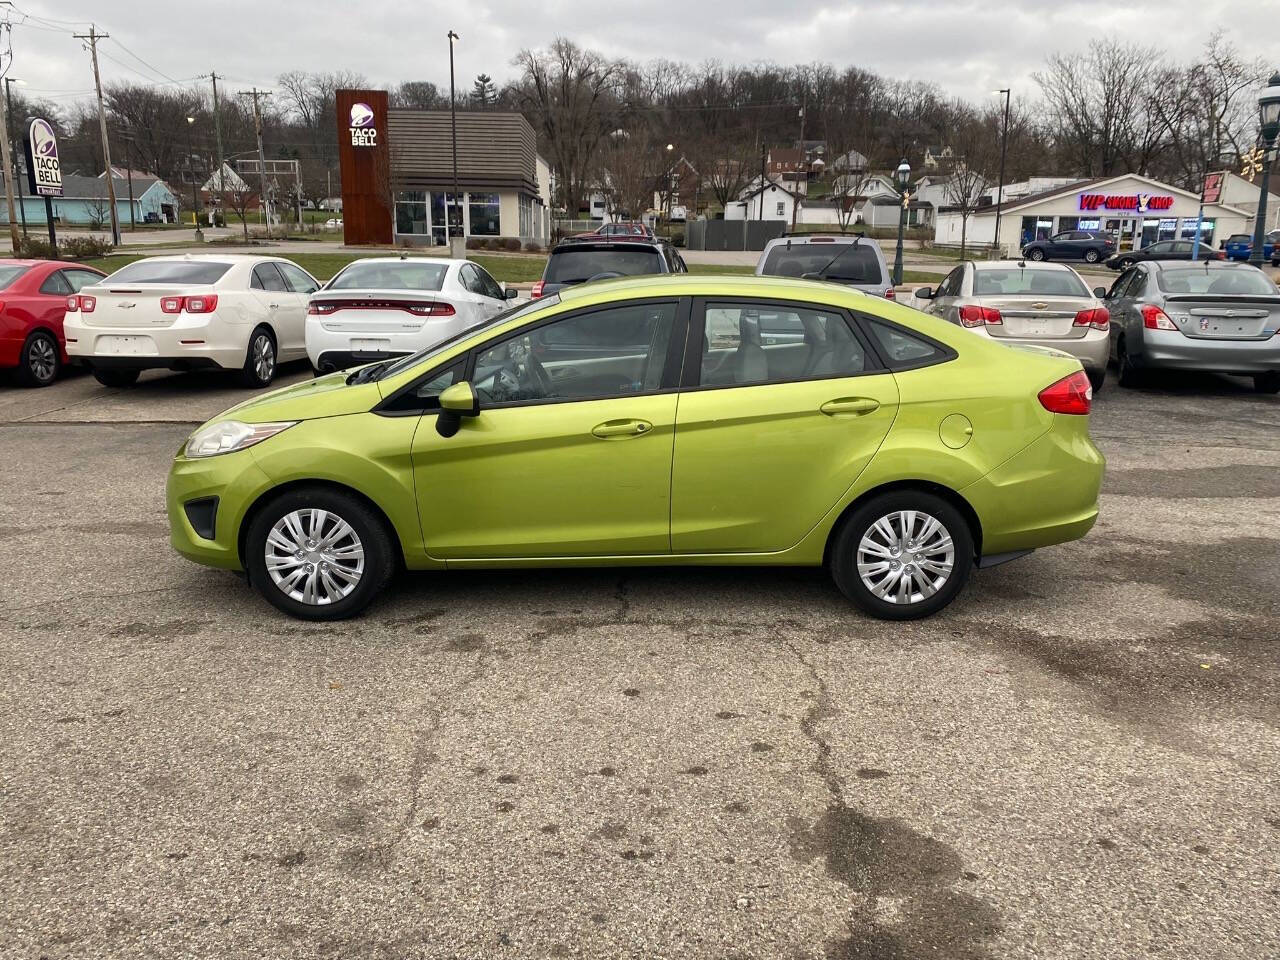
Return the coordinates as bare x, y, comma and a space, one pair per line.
1019, 301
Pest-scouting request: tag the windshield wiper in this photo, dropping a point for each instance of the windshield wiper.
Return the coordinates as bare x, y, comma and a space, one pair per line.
372, 372
822, 274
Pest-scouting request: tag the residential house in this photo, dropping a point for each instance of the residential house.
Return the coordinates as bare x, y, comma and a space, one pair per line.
852, 161
789, 167
1242, 193
938, 157
772, 201
683, 184
226, 182
85, 201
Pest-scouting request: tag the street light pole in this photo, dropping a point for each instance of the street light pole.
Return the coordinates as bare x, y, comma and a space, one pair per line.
903, 177
453, 122
1004, 147
1269, 128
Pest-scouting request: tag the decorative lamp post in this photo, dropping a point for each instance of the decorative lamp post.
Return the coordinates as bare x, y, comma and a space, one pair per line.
195, 199
455, 249
1268, 128
670, 172
902, 177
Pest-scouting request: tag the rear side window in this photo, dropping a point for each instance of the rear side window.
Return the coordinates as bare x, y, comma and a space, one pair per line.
577, 265
171, 271
267, 277
842, 262
767, 343
904, 349
55, 284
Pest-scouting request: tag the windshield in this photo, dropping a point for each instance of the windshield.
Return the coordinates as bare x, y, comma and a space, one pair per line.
380, 275
849, 262
1238, 280
10, 274
170, 271
395, 366
572, 265
1028, 282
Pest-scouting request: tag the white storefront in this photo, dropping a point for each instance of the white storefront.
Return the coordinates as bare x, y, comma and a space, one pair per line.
1136, 209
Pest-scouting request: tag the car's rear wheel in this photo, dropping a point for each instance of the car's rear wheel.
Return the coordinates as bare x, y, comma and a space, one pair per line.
1128, 373
260, 360
1091, 256
902, 555
116, 378
1036, 254
40, 360
1268, 382
318, 553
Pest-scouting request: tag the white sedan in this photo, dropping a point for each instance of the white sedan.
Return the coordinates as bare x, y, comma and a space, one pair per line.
390, 306
191, 312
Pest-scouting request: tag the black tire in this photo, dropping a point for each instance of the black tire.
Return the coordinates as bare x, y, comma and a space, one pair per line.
1126, 263
380, 551
1036, 254
40, 360
1268, 382
1092, 256
844, 554
1097, 378
116, 378
1128, 373
260, 359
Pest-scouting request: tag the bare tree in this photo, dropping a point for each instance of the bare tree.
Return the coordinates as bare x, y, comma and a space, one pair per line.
237, 195
419, 95
976, 142
98, 209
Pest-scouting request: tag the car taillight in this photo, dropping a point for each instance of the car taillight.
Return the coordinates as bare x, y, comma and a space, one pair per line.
537, 289
87, 304
890, 295
975, 316
206, 303
1098, 318
1073, 394
431, 309
317, 309
73, 303
1219, 255
170, 304
1153, 318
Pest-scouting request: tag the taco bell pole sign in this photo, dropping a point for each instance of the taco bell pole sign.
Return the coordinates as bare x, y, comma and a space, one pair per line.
43, 170
363, 131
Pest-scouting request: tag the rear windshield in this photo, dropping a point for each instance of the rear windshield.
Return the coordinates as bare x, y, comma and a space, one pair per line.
843, 262
10, 274
570, 265
1028, 282
1239, 238
1242, 280
405, 275
170, 271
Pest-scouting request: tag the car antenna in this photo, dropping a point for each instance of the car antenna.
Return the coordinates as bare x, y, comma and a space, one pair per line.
1022, 264
404, 254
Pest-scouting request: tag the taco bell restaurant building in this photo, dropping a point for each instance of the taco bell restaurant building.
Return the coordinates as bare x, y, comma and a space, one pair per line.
398, 179
1137, 210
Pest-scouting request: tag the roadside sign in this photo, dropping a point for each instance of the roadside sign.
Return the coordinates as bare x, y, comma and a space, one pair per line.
43, 170
1212, 192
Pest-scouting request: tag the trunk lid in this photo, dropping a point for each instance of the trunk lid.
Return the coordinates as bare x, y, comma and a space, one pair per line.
1037, 317
1203, 316
375, 311
137, 306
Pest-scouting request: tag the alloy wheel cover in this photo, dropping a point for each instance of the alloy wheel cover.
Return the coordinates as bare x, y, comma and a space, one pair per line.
905, 557
314, 556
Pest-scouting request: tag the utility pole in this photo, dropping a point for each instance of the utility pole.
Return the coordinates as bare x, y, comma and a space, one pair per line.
8, 180
762, 153
804, 102
93, 37
217, 138
262, 156
17, 174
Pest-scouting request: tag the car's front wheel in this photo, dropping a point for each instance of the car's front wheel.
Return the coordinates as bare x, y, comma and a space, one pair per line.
318, 553
902, 555
1035, 254
1092, 256
40, 361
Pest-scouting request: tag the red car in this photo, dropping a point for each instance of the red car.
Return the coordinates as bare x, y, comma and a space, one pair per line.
33, 298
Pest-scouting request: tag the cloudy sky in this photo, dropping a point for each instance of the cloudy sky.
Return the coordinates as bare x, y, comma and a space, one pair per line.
967, 48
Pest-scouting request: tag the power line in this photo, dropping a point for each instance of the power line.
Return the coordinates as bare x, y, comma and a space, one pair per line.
157, 72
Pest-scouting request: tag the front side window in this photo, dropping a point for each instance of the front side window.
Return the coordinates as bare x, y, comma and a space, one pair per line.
56, 284
766, 343
79, 279
615, 352
488, 286
297, 278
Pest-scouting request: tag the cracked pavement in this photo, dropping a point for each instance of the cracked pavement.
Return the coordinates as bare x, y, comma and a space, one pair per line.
1078, 759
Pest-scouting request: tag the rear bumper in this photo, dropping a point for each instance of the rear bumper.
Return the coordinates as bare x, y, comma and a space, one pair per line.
1168, 349
191, 343
336, 350
1092, 350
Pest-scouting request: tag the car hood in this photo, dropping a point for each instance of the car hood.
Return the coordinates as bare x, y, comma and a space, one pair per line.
327, 396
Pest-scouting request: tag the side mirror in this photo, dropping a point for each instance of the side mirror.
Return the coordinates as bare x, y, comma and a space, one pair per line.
925, 293
510, 293
456, 402
1100, 292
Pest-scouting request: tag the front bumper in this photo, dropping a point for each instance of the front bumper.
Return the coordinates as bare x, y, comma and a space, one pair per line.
1168, 349
236, 480
1092, 350
193, 342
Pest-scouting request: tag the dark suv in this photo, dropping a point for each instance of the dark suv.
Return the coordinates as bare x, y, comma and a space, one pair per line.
586, 258
1091, 246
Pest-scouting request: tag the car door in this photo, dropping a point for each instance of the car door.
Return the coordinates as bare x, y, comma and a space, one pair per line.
766, 445
493, 300
472, 294
281, 307
1063, 247
570, 453
944, 300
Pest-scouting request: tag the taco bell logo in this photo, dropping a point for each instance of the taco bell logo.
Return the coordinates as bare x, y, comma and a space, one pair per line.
46, 171
363, 132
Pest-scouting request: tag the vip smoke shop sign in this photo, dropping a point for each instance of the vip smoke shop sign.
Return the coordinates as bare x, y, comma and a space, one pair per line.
45, 172
363, 131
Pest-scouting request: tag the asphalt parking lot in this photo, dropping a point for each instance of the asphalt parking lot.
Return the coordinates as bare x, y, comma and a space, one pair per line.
1078, 759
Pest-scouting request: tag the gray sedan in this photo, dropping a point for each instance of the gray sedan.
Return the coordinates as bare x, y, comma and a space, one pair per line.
1214, 316
1016, 301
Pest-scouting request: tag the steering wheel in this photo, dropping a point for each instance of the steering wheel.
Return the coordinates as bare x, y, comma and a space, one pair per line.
606, 275
538, 373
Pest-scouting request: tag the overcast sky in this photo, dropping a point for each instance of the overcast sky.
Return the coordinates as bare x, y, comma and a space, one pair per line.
967, 48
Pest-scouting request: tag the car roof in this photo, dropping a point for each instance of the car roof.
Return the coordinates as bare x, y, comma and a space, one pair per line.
444, 260
1207, 264
1018, 264
599, 240
817, 238
710, 284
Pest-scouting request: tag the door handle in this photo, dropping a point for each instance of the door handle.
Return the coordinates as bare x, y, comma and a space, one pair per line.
621, 428
274, 306
854, 405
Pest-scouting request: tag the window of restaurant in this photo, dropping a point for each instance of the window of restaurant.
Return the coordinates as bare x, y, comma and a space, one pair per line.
483, 209
1036, 228
411, 212
526, 215
1069, 223
438, 204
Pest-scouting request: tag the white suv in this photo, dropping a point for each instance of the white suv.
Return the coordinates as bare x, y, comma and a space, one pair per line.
849, 259
207, 311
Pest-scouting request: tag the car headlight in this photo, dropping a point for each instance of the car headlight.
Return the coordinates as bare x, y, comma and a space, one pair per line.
228, 436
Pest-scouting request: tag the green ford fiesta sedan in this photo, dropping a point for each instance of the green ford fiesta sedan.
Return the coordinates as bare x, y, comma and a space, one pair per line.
664, 420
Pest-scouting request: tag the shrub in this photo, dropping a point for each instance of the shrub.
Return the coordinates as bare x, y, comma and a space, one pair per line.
533, 247
677, 239
80, 248
511, 244
32, 248
476, 243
